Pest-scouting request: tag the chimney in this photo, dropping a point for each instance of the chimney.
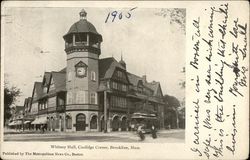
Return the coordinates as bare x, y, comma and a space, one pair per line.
144, 78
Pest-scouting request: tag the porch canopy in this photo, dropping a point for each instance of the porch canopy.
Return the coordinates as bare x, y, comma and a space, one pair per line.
40, 120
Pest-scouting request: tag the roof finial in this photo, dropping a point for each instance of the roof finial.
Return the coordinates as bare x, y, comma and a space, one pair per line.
83, 14
121, 56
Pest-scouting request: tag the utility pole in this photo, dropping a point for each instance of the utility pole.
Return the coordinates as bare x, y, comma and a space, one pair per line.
105, 112
177, 118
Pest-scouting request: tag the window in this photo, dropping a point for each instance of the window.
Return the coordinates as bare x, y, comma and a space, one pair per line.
93, 122
108, 84
114, 85
69, 98
35, 94
52, 102
119, 74
70, 76
118, 102
52, 85
140, 89
119, 86
68, 122
80, 97
124, 87
45, 104
93, 76
45, 89
93, 98
61, 101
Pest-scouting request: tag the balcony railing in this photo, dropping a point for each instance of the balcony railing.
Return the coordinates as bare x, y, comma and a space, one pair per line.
82, 44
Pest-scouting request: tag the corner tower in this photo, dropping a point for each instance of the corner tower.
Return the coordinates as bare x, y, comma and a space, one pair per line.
83, 48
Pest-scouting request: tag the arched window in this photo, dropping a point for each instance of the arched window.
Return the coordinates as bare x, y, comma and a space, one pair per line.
93, 122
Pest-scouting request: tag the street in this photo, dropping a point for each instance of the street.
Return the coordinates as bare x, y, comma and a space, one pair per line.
163, 136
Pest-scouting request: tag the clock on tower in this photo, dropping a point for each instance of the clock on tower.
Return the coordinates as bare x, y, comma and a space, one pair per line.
81, 69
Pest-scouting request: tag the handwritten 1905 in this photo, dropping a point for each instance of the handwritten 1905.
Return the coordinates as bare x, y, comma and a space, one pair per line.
120, 15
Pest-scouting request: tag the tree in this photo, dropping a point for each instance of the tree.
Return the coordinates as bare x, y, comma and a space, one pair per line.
10, 96
172, 106
176, 15
183, 82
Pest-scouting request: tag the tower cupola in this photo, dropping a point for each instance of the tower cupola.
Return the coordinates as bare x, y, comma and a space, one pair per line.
83, 14
83, 36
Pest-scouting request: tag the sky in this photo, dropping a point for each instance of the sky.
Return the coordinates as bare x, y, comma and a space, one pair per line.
150, 44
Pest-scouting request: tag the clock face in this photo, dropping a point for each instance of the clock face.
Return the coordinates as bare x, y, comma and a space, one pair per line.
81, 71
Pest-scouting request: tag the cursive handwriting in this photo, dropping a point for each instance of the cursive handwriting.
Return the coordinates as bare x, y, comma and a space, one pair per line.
219, 51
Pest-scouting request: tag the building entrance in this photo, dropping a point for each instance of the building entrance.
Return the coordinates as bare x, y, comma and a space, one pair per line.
80, 122
124, 124
115, 123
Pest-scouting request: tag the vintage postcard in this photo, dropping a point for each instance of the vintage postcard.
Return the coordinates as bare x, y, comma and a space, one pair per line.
124, 80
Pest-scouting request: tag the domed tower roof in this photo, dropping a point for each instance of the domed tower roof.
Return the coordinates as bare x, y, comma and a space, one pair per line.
83, 26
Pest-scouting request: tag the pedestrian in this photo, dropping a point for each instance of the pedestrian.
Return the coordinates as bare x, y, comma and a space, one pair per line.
140, 132
42, 128
132, 127
153, 131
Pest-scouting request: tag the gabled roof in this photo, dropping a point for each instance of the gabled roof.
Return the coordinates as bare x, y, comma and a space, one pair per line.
29, 103
63, 70
46, 78
18, 109
38, 88
134, 80
155, 86
107, 67
59, 80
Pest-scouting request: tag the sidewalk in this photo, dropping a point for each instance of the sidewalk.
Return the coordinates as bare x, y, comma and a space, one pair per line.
11, 132
163, 136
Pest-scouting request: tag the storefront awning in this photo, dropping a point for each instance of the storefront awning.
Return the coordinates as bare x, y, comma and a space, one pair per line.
25, 122
143, 116
40, 120
11, 123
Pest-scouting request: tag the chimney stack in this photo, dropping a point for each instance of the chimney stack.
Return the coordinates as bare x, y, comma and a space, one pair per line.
144, 78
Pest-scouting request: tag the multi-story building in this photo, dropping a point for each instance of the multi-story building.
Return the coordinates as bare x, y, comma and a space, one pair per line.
92, 94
